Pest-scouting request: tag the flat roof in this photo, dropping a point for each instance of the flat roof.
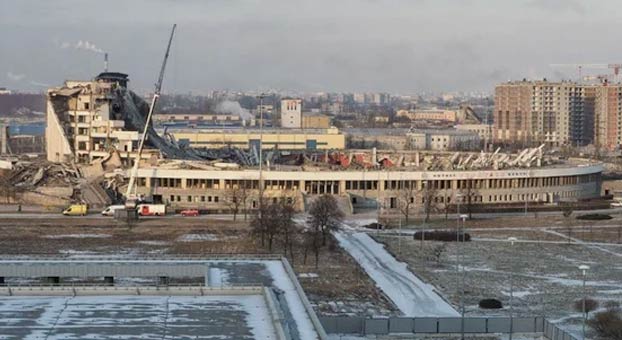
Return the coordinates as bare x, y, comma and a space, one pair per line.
136, 317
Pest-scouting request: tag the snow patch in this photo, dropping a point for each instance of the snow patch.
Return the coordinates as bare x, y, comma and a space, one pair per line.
77, 236
411, 295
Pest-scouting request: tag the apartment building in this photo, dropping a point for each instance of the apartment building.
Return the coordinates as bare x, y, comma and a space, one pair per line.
556, 113
608, 117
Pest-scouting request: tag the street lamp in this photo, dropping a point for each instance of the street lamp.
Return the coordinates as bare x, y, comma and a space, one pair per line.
512, 240
583, 268
261, 97
463, 217
458, 198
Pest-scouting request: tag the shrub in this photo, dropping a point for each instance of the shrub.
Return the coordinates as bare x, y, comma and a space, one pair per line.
607, 324
374, 225
490, 304
612, 305
590, 305
441, 235
594, 217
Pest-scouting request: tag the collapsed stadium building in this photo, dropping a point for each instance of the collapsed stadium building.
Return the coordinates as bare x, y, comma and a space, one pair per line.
100, 121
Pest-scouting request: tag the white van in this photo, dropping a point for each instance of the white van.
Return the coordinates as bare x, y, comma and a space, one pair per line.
110, 210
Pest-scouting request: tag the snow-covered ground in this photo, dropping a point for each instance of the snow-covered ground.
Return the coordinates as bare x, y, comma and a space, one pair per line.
411, 295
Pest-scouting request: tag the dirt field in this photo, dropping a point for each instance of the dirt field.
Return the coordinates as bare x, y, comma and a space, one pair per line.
338, 286
543, 264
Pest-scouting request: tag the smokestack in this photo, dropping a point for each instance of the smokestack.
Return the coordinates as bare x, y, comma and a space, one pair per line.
106, 62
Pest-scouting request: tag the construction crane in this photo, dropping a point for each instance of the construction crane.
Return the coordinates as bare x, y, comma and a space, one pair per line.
131, 198
615, 67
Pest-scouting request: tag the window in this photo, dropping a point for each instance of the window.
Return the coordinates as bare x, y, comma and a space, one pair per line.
215, 199
86, 106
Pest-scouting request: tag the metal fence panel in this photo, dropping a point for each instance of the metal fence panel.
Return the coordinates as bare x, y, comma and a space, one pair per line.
500, 325
539, 325
329, 324
449, 325
401, 325
377, 326
524, 325
549, 330
426, 325
475, 325
343, 324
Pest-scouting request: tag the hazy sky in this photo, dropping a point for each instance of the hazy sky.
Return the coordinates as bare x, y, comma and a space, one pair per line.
399, 46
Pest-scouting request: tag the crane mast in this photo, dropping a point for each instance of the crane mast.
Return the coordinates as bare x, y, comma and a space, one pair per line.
130, 197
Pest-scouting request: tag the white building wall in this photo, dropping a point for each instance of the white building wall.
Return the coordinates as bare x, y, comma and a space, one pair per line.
291, 113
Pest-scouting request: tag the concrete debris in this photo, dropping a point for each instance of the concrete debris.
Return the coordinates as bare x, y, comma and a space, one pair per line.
30, 174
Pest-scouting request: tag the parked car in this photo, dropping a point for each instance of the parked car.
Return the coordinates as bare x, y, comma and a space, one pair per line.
190, 212
110, 210
76, 210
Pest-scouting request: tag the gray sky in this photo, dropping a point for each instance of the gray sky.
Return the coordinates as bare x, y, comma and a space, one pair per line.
399, 46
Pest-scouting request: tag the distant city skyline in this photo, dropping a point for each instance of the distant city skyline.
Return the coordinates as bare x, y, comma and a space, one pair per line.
394, 46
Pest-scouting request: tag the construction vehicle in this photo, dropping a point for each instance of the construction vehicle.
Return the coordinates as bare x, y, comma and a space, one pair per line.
76, 210
151, 209
131, 198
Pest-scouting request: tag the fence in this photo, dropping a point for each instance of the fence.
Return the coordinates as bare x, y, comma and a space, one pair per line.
472, 325
551, 331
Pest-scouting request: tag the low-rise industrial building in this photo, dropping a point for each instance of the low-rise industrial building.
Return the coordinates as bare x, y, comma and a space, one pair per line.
440, 115
282, 139
315, 121
412, 139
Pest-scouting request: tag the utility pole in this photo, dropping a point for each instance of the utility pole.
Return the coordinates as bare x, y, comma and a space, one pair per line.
261, 97
584, 270
512, 240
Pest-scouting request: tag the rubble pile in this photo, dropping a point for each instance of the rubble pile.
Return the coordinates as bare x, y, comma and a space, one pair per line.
28, 175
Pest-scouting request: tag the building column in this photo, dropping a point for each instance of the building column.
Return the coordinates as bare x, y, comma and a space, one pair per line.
342, 187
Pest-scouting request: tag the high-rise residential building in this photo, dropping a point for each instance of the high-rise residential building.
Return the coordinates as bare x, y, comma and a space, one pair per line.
608, 116
291, 113
556, 113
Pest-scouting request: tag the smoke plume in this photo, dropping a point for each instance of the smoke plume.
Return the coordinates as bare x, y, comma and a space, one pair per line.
232, 107
83, 45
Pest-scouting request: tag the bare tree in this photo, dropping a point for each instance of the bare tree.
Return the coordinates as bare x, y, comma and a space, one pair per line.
324, 216
260, 221
428, 196
286, 225
233, 200
406, 199
468, 196
567, 211
439, 250
590, 306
